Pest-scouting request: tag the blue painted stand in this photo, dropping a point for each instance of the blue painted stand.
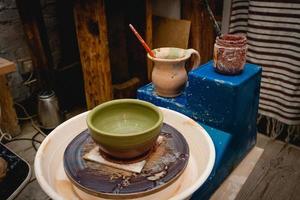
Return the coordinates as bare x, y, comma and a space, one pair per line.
226, 106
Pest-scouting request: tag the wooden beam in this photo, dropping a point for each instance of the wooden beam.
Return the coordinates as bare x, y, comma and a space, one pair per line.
202, 35
37, 39
149, 35
91, 28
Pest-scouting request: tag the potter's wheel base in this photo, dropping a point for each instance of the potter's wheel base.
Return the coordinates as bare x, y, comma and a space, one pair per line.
163, 166
53, 180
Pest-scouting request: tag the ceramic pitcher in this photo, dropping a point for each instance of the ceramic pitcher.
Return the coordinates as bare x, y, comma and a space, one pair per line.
169, 74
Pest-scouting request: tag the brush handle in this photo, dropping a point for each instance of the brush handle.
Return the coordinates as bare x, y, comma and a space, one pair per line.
213, 19
142, 41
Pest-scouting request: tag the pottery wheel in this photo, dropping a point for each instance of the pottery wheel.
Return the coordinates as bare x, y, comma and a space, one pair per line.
163, 166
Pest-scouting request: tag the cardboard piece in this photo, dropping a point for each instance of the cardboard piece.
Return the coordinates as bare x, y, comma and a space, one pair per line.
137, 167
170, 32
95, 156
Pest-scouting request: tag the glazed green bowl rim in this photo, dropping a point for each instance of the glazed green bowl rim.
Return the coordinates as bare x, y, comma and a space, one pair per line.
121, 101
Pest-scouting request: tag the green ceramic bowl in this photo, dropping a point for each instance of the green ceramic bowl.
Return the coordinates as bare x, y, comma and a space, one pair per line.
125, 128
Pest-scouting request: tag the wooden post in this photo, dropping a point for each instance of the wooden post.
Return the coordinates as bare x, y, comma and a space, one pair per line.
91, 28
148, 34
36, 36
202, 35
8, 116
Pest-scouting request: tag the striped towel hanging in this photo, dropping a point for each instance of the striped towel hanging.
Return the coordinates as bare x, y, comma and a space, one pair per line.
272, 28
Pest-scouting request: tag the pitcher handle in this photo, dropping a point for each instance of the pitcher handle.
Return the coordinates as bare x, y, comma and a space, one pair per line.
198, 58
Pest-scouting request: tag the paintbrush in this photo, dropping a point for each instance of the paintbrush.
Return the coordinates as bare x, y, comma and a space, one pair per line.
213, 19
142, 41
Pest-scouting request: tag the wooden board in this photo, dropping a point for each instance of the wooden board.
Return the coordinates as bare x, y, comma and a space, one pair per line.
170, 32
91, 28
276, 175
6, 66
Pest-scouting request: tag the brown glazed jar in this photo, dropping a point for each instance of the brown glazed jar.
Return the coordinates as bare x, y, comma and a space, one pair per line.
230, 54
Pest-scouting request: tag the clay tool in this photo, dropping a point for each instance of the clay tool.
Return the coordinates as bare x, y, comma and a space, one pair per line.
142, 41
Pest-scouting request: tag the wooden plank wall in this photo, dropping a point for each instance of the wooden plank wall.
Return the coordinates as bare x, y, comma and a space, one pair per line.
202, 36
117, 41
149, 34
137, 59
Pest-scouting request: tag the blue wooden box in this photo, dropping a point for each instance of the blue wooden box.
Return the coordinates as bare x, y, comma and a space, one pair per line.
226, 106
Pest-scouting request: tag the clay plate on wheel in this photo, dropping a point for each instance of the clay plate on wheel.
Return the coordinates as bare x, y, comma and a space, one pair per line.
164, 165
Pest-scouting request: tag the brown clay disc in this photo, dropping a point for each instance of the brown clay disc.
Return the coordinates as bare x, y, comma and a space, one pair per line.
112, 159
163, 166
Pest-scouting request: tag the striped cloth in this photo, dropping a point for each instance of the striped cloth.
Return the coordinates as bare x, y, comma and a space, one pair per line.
273, 32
